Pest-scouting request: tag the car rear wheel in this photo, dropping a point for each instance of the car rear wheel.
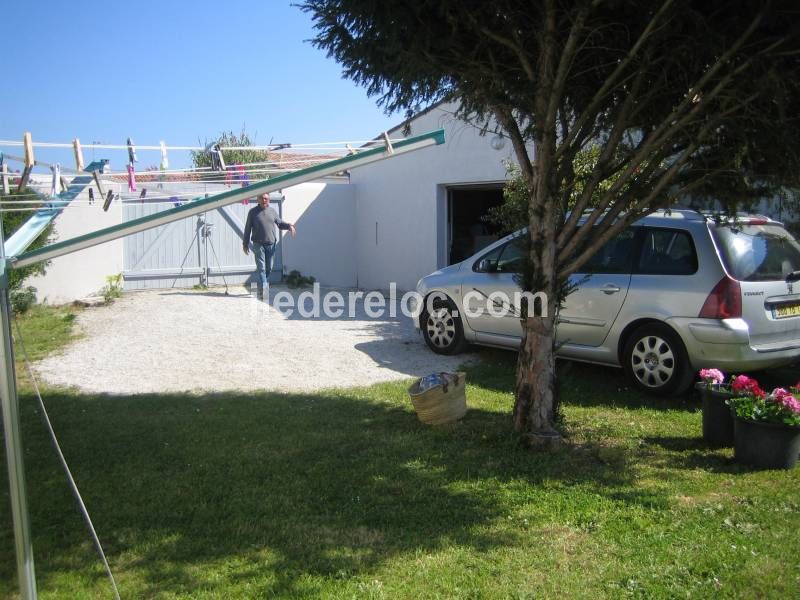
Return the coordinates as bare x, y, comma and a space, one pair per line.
656, 361
442, 328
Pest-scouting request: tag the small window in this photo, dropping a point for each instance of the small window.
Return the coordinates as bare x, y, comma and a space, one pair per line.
508, 258
667, 252
488, 262
614, 257
512, 258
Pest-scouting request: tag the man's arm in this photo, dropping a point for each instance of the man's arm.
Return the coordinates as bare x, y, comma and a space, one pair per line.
248, 226
284, 225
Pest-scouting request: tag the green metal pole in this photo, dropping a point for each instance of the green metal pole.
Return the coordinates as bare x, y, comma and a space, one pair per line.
11, 430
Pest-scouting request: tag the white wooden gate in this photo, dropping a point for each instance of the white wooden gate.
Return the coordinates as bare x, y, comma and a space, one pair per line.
201, 250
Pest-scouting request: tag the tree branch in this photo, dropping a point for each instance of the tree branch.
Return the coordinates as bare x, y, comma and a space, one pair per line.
567, 55
611, 80
506, 119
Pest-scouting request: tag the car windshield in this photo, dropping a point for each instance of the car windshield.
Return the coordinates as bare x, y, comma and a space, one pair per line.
757, 252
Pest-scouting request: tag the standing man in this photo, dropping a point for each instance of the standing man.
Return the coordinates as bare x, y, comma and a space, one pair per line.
263, 223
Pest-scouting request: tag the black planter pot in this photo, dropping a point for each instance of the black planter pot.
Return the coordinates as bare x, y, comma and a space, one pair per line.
766, 445
717, 417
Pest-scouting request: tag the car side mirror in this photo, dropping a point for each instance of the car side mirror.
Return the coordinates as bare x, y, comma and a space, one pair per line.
487, 265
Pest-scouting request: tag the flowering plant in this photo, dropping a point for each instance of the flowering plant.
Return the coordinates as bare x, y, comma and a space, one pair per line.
781, 406
711, 377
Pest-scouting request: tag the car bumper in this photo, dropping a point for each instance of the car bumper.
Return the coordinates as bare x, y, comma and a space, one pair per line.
726, 344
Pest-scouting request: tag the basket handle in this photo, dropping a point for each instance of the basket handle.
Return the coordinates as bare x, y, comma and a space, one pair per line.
445, 378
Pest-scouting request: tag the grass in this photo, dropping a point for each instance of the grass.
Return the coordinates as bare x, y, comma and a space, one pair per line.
45, 330
343, 494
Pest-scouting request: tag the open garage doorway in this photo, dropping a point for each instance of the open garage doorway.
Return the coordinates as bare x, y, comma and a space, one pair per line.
468, 228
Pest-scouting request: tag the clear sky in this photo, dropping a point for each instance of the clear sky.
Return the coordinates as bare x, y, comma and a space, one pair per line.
178, 71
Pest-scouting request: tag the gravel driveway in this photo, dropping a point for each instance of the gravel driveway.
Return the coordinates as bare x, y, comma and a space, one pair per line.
184, 340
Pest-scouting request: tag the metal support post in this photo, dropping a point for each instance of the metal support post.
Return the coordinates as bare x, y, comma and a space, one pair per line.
14, 454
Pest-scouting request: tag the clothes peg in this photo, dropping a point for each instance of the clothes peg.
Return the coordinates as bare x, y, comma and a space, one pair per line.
76, 148
131, 178
388, 142
109, 198
164, 165
27, 143
4, 169
242, 175
55, 184
131, 152
143, 194
91, 197
217, 160
96, 168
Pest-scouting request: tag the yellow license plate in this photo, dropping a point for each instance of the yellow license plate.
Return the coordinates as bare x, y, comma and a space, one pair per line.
787, 310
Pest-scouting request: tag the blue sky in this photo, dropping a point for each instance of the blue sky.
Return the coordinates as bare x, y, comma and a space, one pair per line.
173, 71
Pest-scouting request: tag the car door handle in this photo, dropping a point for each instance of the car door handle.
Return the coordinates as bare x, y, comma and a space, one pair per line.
610, 288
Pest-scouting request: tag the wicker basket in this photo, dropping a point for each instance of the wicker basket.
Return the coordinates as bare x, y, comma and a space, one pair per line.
443, 403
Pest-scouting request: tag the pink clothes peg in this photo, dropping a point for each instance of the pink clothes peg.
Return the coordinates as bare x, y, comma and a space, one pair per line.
131, 178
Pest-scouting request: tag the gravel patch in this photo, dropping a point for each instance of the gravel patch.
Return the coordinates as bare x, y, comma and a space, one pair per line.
185, 340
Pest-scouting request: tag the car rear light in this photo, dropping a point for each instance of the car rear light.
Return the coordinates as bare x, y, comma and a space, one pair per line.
755, 221
724, 301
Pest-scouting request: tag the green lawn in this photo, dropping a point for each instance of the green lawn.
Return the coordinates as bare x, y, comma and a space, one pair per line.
345, 494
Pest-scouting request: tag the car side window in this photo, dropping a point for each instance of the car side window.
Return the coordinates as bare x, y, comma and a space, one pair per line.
512, 258
667, 252
616, 256
508, 258
488, 262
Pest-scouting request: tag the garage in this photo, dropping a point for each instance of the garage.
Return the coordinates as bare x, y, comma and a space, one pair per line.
469, 229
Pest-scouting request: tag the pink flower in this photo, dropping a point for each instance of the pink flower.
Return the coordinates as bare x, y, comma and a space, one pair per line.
712, 375
780, 393
742, 383
787, 399
745, 385
792, 404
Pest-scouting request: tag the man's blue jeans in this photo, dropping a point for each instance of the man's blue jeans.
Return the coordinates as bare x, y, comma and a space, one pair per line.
264, 254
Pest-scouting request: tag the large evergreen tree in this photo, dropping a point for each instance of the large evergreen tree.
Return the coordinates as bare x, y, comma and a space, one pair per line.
671, 96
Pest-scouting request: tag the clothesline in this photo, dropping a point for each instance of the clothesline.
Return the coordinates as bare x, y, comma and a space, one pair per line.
161, 200
270, 147
290, 162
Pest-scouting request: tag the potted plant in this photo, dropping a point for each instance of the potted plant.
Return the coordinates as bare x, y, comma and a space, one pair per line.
767, 426
717, 417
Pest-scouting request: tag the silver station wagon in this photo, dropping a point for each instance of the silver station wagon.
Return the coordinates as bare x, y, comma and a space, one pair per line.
674, 293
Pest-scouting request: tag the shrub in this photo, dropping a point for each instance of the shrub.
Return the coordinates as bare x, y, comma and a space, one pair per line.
22, 299
295, 279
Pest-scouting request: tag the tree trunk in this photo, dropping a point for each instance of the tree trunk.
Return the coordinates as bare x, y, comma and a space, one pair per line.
534, 410
536, 400
535, 405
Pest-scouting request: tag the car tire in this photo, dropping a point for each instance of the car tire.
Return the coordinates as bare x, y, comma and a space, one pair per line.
442, 328
656, 362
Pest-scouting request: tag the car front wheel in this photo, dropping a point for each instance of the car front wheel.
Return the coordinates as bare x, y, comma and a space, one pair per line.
656, 361
442, 328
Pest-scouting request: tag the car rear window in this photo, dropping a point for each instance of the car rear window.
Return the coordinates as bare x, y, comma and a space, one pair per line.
757, 252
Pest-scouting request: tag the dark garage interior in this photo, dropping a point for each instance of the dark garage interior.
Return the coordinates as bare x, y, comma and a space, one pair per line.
469, 230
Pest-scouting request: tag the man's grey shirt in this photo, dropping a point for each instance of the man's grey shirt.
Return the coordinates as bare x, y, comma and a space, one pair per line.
263, 224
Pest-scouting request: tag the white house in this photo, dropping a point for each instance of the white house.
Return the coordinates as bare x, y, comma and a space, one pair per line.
422, 211
392, 222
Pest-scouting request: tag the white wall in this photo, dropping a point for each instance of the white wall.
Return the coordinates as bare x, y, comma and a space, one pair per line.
401, 195
325, 245
82, 273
